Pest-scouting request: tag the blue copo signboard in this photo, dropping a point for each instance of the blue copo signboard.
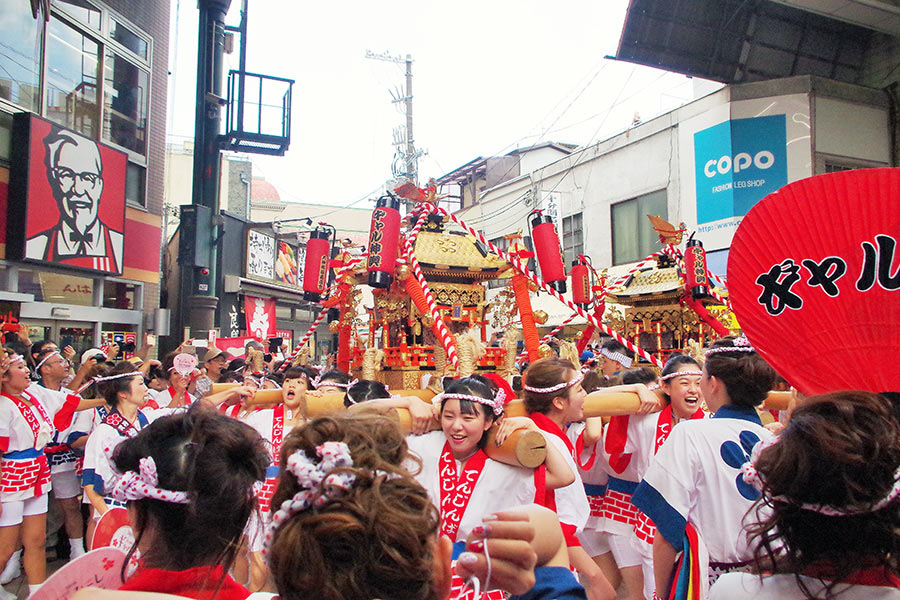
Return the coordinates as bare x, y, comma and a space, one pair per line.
737, 164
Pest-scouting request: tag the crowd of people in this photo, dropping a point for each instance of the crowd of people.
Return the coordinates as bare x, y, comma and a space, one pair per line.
698, 493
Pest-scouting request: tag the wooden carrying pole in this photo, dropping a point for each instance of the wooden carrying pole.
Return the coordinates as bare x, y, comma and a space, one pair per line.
523, 448
611, 403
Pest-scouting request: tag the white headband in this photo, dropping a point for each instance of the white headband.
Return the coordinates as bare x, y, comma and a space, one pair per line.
16, 358
555, 388
37, 369
741, 344
680, 374
620, 358
495, 404
752, 477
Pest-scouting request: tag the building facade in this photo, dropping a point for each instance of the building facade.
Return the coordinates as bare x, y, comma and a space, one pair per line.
704, 164
82, 165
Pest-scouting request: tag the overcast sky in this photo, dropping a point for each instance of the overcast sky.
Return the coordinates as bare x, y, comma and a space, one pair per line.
488, 76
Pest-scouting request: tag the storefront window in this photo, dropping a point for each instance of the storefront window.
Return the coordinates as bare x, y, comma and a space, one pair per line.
20, 52
126, 99
117, 294
135, 184
72, 76
59, 288
6, 121
123, 335
84, 11
128, 38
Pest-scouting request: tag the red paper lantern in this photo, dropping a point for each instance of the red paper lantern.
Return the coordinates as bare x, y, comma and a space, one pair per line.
548, 250
581, 283
384, 241
696, 278
315, 267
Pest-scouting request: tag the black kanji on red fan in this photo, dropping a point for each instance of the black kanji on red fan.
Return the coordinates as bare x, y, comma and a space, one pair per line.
826, 273
776, 284
878, 265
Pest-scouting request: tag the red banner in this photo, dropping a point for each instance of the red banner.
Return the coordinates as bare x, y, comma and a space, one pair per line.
233, 346
260, 315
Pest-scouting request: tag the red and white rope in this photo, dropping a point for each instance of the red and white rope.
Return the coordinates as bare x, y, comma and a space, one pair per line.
442, 331
341, 274
634, 270
521, 268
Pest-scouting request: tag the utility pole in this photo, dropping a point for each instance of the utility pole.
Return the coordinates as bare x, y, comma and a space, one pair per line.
412, 161
406, 159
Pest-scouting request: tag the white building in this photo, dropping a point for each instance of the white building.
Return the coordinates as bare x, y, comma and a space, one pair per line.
704, 164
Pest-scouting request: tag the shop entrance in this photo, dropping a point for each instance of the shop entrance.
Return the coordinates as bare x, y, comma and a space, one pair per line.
78, 334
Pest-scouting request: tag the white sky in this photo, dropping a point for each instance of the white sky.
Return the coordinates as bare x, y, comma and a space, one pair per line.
488, 76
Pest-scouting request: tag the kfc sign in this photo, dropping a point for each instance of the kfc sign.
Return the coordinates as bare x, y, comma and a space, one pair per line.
66, 198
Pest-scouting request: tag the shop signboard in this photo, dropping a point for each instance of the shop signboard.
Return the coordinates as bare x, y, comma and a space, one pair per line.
273, 260
66, 198
738, 163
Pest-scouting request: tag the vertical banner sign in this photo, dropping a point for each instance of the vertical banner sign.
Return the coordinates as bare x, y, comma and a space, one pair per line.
814, 277
737, 163
260, 255
66, 198
260, 313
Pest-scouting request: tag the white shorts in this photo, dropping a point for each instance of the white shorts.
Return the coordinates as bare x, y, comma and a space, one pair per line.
65, 484
595, 543
624, 552
13, 512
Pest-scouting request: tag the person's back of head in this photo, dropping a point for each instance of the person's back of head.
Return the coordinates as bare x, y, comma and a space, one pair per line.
639, 375
746, 376
365, 389
206, 464
831, 483
369, 535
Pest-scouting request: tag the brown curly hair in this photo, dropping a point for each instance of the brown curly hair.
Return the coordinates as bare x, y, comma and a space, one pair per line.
839, 450
375, 541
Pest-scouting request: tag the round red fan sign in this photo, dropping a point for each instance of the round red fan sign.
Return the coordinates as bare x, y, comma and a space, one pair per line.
814, 278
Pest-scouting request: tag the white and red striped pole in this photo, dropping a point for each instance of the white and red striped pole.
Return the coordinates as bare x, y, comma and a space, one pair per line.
441, 328
521, 268
341, 274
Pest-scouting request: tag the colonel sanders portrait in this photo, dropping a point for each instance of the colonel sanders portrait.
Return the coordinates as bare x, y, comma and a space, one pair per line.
79, 238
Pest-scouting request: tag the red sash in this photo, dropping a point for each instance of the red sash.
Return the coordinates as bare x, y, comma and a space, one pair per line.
664, 424
28, 414
187, 397
44, 468
456, 490
547, 425
277, 432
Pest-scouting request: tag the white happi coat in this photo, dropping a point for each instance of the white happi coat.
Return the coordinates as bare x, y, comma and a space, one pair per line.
500, 486
747, 586
696, 478
17, 437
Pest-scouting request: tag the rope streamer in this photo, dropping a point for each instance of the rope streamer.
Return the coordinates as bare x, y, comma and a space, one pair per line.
521, 268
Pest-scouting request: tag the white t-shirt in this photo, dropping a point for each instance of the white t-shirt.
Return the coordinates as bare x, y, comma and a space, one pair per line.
747, 586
